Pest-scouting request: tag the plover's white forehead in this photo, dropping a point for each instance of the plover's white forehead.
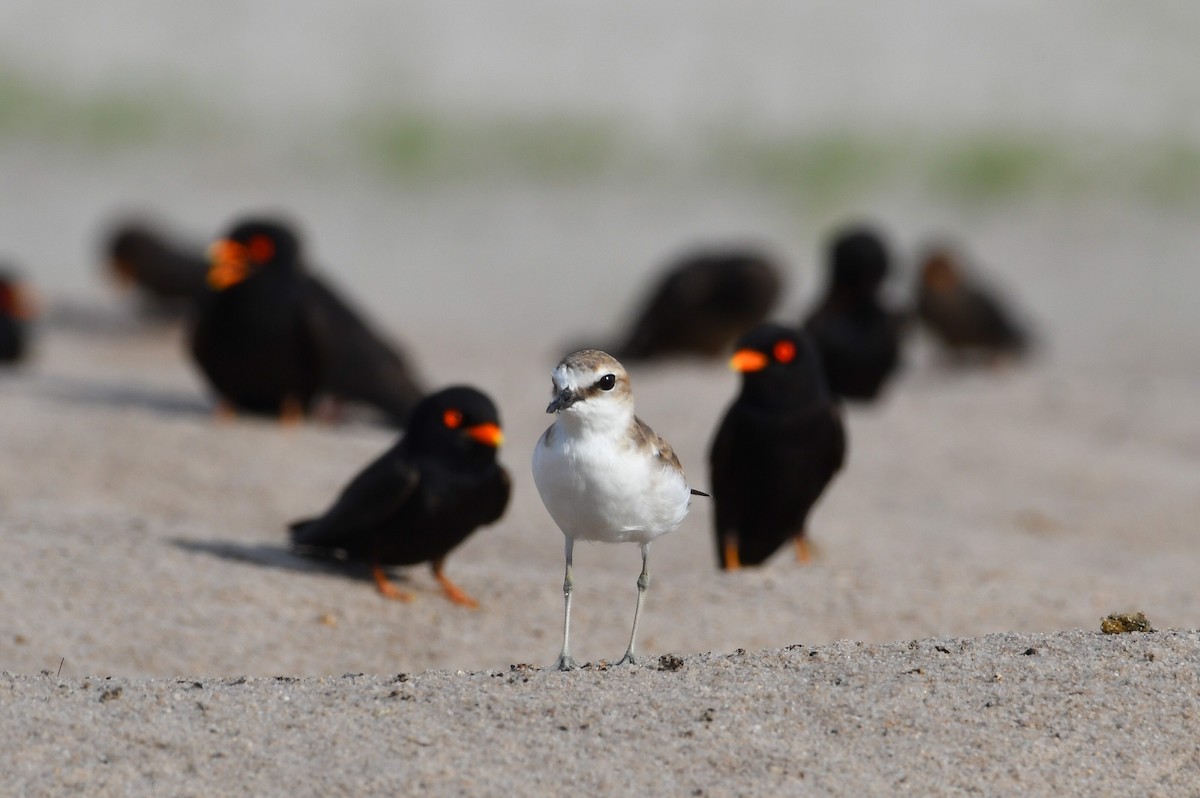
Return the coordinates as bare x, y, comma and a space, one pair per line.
582, 368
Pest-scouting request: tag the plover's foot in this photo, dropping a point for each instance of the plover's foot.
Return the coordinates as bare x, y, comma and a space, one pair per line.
628, 659
565, 663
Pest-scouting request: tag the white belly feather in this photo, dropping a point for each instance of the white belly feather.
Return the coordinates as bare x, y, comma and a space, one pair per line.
596, 488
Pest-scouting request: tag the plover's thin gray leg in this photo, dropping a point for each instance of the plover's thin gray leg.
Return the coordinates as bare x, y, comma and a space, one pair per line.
565, 663
642, 583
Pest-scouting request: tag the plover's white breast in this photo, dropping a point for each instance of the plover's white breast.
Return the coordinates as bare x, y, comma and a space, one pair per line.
608, 488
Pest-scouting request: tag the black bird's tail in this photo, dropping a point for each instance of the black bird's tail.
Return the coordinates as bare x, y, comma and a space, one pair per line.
301, 532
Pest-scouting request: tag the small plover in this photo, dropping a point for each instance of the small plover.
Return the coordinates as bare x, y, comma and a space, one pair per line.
603, 474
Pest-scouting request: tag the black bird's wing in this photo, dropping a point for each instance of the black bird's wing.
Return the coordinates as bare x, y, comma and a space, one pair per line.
835, 445
377, 493
996, 327
179, 273
860, 349
726, 484
767, 475
358, 365
657, 318
493, 500
703, 304
12, 339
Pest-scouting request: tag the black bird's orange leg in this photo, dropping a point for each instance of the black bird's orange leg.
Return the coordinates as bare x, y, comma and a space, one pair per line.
386, 587
803, 550
732, 561
290, 412
453, 591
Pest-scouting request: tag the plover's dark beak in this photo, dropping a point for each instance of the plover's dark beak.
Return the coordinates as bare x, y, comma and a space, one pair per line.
562, 400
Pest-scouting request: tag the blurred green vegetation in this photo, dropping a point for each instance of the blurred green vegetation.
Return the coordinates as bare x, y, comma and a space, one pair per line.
1170, 172
109, 120
821, 168
999, 166
827, 167
409, 144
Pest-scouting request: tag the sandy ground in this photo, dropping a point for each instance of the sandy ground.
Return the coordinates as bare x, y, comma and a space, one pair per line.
157, 637
1075, 712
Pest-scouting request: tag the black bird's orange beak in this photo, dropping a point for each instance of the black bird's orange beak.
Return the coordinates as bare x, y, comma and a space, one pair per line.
488, 434
745, 360
229, 264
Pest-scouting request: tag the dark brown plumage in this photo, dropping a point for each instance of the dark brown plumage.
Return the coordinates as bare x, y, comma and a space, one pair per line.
16, 311
424, 496
969, 319
857, 335
779, 445
702, 304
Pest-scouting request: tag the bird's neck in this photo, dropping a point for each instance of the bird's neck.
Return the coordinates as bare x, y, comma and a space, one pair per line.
598, 422
780, 395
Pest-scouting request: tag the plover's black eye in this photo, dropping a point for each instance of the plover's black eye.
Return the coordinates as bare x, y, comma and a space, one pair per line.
607, 382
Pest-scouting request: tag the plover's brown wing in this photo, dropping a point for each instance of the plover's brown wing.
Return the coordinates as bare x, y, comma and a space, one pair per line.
648, 440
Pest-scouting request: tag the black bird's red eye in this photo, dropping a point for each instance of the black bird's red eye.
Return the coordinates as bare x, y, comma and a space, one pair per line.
785, 351
452, 419
261, 249
607, 382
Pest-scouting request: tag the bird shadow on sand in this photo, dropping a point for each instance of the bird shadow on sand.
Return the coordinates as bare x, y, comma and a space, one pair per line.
272, 556
157, 400
182, 403
79, 317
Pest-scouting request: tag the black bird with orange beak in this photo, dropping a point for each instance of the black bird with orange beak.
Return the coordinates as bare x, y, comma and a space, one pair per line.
777, 449
16, 311
255, 336
421, 498
270, 336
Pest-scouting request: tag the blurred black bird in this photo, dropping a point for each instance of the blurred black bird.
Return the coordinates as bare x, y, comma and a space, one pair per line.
256, 337
966, 316
358, 365
703, 303
169, 274
16, 310
270, 336
421, 498
857, 336
780, 444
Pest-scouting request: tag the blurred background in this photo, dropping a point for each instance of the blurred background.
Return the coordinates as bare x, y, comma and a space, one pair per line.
539, 149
